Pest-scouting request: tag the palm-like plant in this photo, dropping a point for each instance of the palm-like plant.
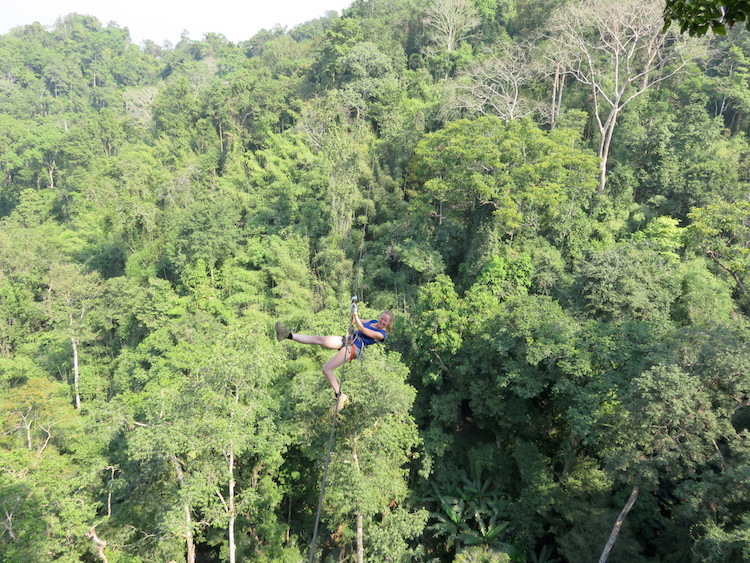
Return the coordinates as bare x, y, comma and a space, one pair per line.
471, 514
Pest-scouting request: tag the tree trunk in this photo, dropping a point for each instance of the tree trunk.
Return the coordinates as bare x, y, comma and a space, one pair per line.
74, 343
100, 544
189, 542
189, 536
606, 131
27, 426
51, 173
714, 256
360, 538
232, 512
602, 173
560, 89
360, 518
557, 88
618, 524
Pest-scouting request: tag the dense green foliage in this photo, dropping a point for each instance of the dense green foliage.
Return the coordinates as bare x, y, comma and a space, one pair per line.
697, 17
565, 243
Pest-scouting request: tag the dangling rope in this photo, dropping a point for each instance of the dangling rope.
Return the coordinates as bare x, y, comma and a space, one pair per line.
330, 444
325, 474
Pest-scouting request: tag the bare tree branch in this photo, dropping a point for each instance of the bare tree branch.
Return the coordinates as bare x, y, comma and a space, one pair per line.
619, 51
618, 524
494, 86
451, 22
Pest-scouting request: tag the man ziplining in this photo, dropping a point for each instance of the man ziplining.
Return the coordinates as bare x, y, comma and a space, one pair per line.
349, 347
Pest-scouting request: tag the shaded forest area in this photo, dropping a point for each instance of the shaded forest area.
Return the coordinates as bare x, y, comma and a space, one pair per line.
553, 197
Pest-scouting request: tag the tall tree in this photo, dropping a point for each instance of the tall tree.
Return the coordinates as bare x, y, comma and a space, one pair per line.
496, 85
47, 474
366, 502
450, 22
619, 52
242, 419
722, 232
515, 178
72, 295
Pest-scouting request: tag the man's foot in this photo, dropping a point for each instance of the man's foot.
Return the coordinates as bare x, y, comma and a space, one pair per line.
281, 332
341, 400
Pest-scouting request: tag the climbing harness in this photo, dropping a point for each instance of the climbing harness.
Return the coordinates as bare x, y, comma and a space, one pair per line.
330, 440
353, 351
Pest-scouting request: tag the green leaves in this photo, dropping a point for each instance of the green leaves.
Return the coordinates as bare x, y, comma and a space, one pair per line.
471, 514
522, 181
628, 282
48, 485
696, 17
376, 439
163, 207
722, 232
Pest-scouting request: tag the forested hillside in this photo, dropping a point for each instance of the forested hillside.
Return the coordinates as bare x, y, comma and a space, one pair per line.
554, 199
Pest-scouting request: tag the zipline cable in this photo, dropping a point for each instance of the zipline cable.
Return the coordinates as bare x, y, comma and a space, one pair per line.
330, 445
